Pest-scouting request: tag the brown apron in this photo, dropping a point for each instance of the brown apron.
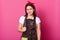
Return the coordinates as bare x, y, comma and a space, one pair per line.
30, 33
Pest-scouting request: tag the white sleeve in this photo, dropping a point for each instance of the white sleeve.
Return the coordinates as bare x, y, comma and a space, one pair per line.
21, 19
38, 20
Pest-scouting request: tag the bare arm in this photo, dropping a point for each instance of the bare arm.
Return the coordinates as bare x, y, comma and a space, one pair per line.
38, 32
21, 28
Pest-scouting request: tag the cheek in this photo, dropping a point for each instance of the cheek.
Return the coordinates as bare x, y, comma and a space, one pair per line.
32, 11
27, 11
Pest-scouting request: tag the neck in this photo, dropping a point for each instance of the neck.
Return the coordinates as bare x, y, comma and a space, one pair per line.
30, 17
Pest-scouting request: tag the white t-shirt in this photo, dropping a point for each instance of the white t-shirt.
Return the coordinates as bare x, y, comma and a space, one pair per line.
21, 20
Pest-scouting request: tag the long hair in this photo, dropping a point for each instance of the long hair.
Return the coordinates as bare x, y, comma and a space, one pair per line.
34, 12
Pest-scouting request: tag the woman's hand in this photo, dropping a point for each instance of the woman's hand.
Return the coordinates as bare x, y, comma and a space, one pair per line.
23, 29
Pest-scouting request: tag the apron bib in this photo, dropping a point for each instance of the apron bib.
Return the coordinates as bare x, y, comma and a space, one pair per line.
30, 33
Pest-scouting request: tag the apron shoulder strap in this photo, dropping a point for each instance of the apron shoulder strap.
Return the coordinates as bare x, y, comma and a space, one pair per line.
24, 25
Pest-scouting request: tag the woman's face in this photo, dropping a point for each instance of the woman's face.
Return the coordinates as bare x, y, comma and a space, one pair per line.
29, 10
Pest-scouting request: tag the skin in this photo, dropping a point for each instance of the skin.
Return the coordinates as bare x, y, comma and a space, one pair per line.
22, 29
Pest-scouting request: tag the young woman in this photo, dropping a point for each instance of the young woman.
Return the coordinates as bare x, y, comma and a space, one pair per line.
29, 24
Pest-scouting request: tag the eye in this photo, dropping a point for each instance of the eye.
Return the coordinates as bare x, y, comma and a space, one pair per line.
30, 8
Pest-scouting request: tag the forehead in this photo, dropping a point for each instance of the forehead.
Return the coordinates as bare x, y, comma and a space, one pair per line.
29, 7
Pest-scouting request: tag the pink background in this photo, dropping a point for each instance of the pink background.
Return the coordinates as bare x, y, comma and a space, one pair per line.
47, 10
